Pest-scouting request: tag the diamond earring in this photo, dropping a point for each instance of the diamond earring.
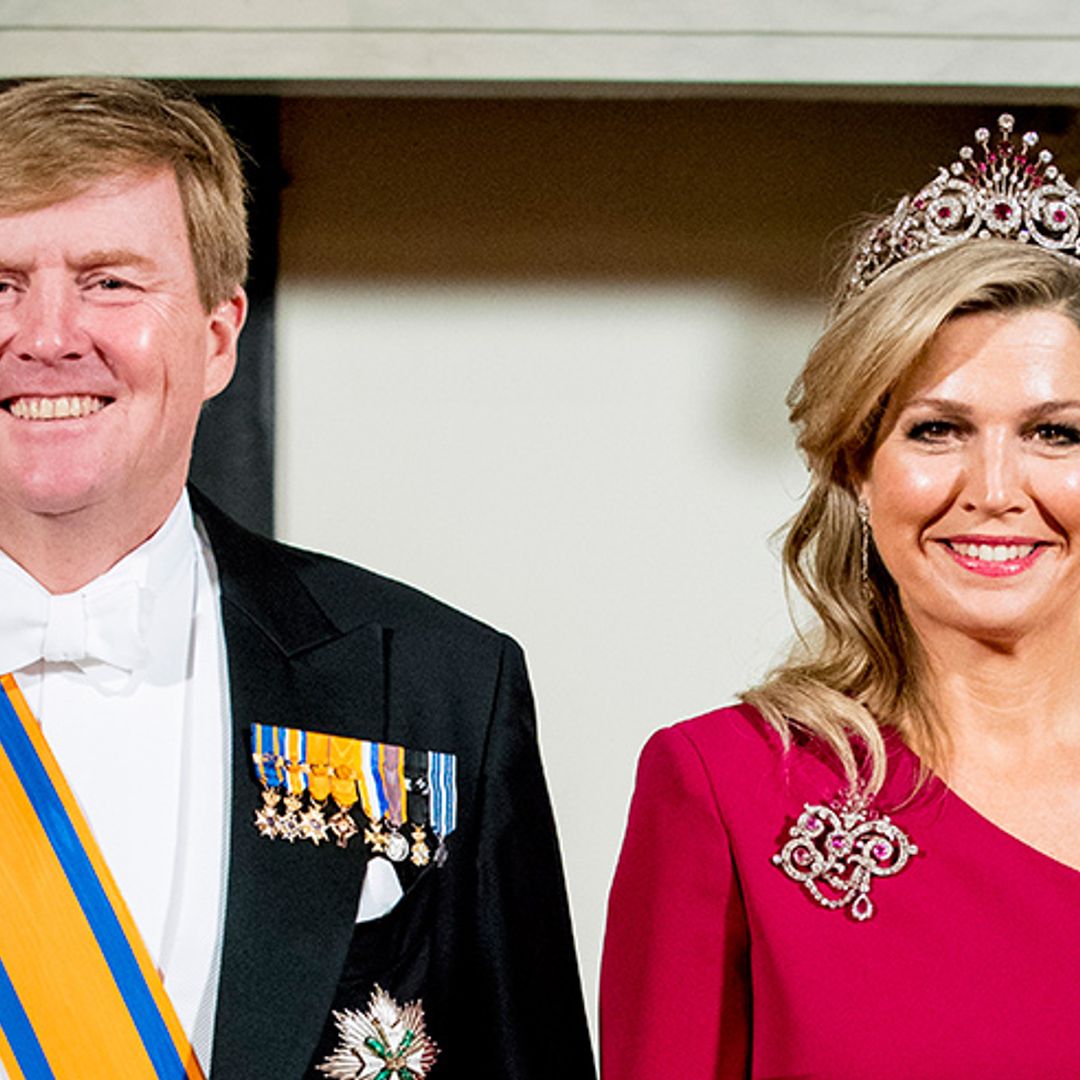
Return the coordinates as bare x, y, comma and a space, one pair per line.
863, 510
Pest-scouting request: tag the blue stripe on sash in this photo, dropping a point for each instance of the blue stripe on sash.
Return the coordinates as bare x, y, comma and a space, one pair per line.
91, 896
20, 1033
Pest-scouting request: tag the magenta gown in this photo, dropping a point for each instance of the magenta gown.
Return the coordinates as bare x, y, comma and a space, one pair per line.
718, 964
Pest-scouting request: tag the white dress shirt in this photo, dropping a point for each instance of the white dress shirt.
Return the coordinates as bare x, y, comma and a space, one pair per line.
143, 741
142, 738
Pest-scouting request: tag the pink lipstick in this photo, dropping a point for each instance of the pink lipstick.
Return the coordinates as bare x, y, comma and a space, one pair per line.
995, 556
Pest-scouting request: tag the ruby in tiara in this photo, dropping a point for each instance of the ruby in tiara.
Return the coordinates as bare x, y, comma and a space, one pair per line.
1003, 190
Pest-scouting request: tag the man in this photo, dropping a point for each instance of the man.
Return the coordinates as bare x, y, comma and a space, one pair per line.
270, 815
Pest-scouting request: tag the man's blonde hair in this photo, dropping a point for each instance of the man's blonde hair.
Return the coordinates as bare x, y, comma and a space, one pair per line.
60, 136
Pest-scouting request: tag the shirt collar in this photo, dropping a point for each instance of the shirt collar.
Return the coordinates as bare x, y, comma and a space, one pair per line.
34, 622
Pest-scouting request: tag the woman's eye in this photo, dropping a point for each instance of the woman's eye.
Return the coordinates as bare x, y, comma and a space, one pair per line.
932, 431
1057, 434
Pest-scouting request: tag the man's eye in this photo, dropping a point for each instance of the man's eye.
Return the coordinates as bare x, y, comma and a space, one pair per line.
110, 283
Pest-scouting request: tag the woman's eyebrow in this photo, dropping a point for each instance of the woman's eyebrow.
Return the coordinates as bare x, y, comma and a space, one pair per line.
1048, 408
959, 408
945, 404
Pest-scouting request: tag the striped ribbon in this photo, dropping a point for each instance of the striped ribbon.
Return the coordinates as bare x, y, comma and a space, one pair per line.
79, 995
442, 782
378, 774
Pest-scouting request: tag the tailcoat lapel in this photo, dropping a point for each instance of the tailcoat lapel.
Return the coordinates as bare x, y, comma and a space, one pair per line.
290, 908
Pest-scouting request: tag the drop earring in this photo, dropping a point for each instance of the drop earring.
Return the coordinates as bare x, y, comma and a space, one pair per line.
863, 510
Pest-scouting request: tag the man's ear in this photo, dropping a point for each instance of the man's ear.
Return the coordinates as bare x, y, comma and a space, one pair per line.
222, 331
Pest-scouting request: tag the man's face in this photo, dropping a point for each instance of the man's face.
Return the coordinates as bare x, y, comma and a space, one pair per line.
106, 353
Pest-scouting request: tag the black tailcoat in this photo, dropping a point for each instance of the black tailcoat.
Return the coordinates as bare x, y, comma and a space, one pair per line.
483, 940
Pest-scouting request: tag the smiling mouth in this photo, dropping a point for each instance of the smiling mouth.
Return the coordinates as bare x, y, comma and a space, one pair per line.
997, 553
994, 560
61, 407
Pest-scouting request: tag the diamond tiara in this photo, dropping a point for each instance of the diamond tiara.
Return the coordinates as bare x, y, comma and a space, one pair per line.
1011, 193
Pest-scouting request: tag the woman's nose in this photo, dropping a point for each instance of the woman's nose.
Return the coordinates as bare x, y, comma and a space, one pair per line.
994, 478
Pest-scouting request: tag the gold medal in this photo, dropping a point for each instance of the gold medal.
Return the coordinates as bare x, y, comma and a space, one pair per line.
343, 827
313, 824
266, 819
288, 825
374, 837
421, 853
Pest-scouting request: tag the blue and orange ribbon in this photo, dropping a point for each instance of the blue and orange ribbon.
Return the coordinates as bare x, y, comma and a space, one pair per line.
379, 775
79, 994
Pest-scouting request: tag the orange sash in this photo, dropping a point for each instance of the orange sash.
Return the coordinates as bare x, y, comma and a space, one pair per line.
79, 995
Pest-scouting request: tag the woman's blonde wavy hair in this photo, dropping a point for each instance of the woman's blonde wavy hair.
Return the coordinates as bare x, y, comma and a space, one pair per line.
860, 668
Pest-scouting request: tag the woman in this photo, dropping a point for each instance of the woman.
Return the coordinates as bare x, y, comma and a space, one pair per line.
871, 868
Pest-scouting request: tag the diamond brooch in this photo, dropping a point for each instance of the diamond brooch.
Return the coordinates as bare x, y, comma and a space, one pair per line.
836, 852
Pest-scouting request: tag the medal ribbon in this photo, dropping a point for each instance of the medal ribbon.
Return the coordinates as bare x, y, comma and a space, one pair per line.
78, 991
345, 773
372, 793
319, 765
442, 782
393, 771
378, 774
296, 763
264, 752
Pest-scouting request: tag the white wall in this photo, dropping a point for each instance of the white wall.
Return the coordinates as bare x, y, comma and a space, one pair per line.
595, 469
590, 44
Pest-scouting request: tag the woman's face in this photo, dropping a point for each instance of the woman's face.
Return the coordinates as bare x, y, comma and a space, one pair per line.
974, 488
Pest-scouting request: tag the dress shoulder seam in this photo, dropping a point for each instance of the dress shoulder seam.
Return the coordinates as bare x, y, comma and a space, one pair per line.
699, 757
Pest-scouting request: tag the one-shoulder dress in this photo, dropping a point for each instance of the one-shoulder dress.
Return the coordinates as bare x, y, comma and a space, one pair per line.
956, 955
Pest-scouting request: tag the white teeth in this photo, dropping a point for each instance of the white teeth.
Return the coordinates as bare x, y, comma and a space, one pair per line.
55, 408
994, 552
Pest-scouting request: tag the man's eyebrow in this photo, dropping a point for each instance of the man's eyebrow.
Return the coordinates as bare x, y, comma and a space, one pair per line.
112, 257
87, 261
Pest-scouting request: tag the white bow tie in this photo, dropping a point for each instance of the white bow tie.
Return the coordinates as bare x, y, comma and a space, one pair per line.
105, 624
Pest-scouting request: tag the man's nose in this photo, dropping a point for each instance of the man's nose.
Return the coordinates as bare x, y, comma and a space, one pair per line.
47, 325
994, 478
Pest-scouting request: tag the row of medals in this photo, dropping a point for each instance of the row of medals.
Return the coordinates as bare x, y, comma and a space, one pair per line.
292, 822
